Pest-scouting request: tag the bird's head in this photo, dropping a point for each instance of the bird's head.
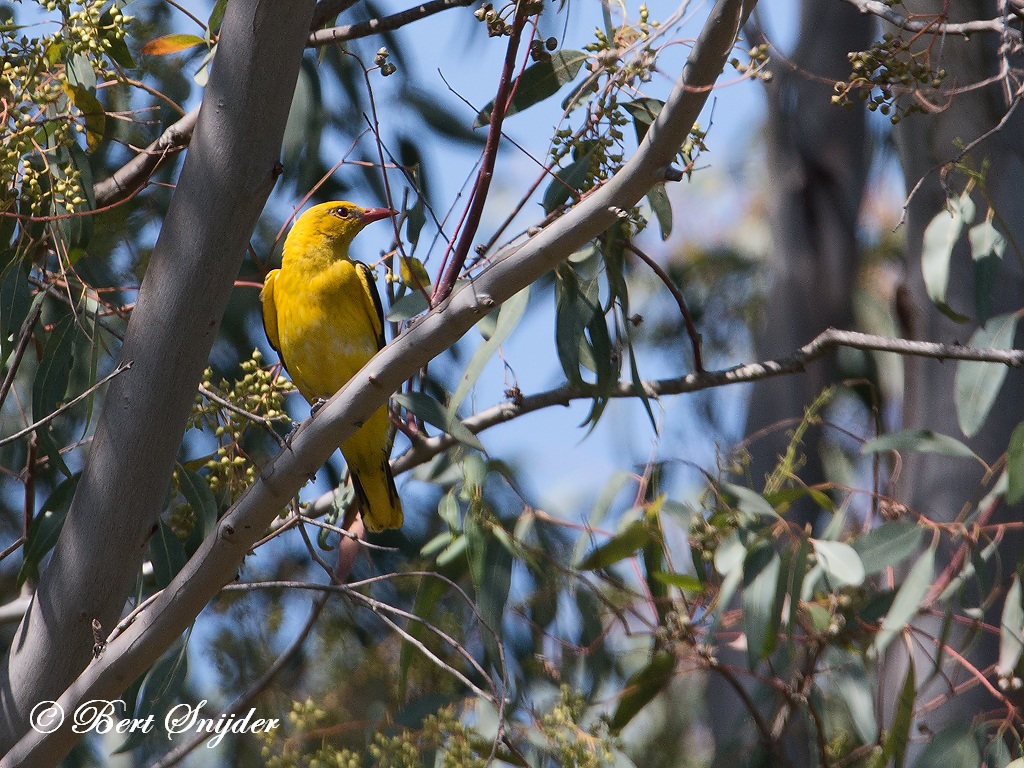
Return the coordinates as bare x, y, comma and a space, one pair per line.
338, 222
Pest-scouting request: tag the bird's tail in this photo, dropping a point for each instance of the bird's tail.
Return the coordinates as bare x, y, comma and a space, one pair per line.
366, 453
378, 497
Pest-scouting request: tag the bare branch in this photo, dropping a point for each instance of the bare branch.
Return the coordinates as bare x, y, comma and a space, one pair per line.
823, 344
129, 178
933, 23
386, 24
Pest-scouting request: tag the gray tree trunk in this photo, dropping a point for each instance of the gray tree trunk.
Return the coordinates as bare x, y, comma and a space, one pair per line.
224, 184
939, 486
818, 164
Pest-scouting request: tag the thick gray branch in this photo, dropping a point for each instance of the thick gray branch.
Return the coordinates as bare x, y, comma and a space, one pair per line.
217, 561
227, 175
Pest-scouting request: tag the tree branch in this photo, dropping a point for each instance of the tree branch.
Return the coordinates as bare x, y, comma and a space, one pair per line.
224, 184
824, 344
129, 178
933, 24
217, 560
386, 24
483, 180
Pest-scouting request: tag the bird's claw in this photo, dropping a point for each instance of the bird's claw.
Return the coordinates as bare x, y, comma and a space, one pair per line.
320, 402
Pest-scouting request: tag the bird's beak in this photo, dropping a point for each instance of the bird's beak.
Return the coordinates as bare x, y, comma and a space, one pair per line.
376, 214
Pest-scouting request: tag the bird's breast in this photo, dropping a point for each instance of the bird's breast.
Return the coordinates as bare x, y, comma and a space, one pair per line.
324, 329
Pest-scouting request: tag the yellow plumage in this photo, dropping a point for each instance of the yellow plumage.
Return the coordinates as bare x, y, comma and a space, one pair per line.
322, 313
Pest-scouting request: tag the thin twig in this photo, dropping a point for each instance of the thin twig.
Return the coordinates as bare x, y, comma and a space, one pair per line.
478, 198
241, 703
691, 329
121, 368
823, 344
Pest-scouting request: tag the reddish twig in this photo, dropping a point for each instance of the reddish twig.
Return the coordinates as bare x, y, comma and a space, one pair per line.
451, 271
691, 329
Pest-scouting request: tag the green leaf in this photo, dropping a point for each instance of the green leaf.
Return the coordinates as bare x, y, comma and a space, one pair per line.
1015, 466
92, 111
305, 117
658, 198
840, 561
1011, 630
566, 181
414, 274
920, 441
200, 498
45, 529
54, 371
641, 688
432, 412
410, 305
888, 545
572, 312
896, 739
538, 82
679, 580
624, 544
167, 554
853, 689
80, 71
750, 502
15, 302
906, 603
987, 248
940, 236
160, 689
441, 117
428, 596
490, 566
117, 49
509, 315
986, 241
764, 586
978, 384
161, 46
644, 112
730, 554
953, 747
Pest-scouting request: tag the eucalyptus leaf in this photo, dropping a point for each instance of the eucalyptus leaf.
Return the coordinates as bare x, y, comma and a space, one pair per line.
539, 81
977, 384
906, 603
840, 561
920, 441
432, 412
1011, 630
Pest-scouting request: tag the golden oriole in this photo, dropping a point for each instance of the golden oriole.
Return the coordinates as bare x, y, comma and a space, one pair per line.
323, 315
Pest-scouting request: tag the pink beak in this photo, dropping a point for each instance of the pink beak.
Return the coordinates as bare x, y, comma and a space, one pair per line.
376, 214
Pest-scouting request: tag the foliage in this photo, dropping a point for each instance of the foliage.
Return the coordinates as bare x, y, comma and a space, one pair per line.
505, 625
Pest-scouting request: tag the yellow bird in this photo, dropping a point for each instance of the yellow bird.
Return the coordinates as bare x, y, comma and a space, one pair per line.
323, 315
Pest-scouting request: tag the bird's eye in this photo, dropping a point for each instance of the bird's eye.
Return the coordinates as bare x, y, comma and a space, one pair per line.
341, 213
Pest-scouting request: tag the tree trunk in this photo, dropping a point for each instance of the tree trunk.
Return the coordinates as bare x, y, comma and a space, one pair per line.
227, 176
818, 163
938, 486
